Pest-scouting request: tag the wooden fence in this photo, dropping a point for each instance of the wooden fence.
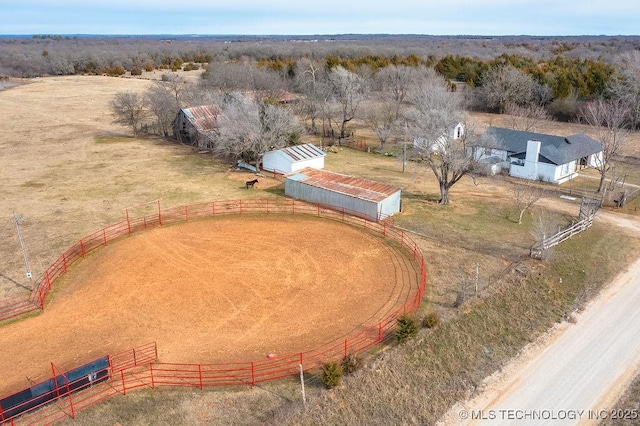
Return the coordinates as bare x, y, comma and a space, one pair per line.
588, 209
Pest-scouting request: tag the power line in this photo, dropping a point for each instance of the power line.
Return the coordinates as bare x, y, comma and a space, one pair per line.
17, 219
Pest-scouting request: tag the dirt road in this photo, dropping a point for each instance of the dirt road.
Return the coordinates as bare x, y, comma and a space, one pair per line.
576, 372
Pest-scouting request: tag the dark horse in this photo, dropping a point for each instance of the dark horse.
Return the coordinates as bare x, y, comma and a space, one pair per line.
250, 183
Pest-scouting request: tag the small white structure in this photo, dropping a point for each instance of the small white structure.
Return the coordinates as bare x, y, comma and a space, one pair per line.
537, 156
293, 158
361, 197
455, 131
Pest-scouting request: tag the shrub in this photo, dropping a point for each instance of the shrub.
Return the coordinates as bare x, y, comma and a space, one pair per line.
115, 70
331, 374
350, 364
136, 71
407, 328
431, 320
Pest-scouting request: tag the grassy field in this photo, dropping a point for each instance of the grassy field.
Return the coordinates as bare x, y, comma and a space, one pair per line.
70, 171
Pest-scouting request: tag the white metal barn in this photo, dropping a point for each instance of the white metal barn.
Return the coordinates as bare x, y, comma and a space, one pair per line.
361, 197
293, 158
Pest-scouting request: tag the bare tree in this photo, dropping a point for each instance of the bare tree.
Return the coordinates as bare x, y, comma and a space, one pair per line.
506, 84
527, 117
310, 84
349, 90
626, 85
249, 129
525, 196
177, 86
381, 119
434, 110
129, 109
545, 225
162, 107
608, 119
396, 82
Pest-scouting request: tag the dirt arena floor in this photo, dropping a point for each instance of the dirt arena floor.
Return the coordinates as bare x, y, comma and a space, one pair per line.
222, 289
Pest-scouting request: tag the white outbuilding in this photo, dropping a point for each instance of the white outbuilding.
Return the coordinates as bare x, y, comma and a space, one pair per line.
293, 158
361, 197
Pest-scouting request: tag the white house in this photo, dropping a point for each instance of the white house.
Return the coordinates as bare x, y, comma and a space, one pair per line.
537, 156
293, 158
455, 131
357, 196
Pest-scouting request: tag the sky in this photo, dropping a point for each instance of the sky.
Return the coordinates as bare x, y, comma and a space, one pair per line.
295, 17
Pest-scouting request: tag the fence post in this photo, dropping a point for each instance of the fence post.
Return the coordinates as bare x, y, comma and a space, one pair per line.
293, 206
82, 249
64, 262
128, 222
55, 380
240, 206
73, 414
104, 236
345, 348
41, 299
380, 333
124, 387
135, 361
384, 229
253, 374
153, 383
200, 374
159, 214
213, 208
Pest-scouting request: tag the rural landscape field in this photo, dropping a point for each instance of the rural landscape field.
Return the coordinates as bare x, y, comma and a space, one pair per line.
68, 170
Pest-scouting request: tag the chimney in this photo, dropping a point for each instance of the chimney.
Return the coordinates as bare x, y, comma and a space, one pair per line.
533, 151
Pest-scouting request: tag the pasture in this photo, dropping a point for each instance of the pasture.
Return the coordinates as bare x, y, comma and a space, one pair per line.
70, 171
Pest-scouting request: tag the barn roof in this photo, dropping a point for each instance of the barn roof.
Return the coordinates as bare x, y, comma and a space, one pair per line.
557, 149
302, 152
204, 118
349, 185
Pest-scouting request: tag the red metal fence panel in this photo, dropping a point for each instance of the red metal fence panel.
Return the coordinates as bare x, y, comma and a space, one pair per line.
138, 367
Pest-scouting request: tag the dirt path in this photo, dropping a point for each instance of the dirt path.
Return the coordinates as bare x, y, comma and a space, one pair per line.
575, 372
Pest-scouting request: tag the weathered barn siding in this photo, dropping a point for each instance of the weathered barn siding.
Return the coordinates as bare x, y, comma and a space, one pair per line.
197, 126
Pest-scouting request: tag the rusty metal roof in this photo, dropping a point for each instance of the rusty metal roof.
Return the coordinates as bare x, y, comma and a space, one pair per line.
349, 185
303, 152
204, 118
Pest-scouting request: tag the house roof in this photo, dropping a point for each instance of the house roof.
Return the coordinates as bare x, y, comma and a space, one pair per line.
204, 118
302, 152
557, 149
344, 184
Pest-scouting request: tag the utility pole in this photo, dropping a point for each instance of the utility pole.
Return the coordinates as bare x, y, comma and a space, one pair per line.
404, 148
17, 219
304, 396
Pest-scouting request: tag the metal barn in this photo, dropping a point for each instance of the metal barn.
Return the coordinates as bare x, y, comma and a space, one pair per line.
293, 158
362, 197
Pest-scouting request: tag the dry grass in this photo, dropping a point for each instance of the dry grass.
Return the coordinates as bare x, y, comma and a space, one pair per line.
90, 171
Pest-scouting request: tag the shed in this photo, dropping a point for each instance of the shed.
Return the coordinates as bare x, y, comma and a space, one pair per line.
197, 125
293, 158
361, 197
